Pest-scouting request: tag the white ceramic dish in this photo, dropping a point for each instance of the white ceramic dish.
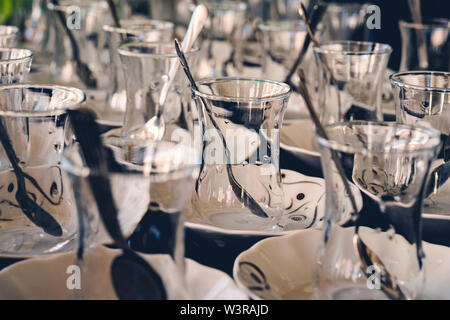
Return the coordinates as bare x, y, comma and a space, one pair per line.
46, 278
304, 207
280, 268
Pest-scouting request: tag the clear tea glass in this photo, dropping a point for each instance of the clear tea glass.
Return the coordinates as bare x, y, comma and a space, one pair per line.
221, 41
35, 122
425, 46
351, 75
423, 98
15, 65
389, 163
146, 68
8, 36
131, 31
345, 21
151, 185
282, 42
240, 183
84, 49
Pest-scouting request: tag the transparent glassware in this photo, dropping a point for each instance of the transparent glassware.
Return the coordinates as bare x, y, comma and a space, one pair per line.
345, 21
282, 42
36, 124
274, 10
86, 51
146, 67
151, 184
423, 98
166, 10
389, 163
221, 40
240, 183
131, 31
260, 11
351, 77
169, 10
15, 65
425, 46
8, 36
30, 17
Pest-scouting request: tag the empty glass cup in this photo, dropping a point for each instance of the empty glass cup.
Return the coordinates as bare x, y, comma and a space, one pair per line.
282, 42
146, 67
263, 11
37, 215
222, 39
8, 36
423, 98
351, 78
151, 184
240, 183
389, 163
345, 21
79, 54
131, 31
15, 65
425, 46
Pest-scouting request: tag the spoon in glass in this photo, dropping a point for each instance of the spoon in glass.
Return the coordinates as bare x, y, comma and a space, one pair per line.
367, 257
238, 190
155, 128
133, 278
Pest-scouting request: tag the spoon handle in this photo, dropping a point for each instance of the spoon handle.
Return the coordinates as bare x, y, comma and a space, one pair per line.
115, 16
196, 24
318, 10
88, 135
30, 208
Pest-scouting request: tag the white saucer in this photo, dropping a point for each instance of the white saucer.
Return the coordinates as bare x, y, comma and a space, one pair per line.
46, 278
304, 207
281, 268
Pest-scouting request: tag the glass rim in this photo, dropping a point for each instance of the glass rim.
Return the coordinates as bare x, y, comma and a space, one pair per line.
383, 48
213, 97
13, 31
165, 25
124, 50
395, 79
84, 171
282, 26
335, 5
433, 134
81, 98
28, 55
437, 23
84, 4
238, 6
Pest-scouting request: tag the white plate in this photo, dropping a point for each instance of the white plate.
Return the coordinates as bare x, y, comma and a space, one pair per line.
46, 278
298, 137
280, 268
304, 207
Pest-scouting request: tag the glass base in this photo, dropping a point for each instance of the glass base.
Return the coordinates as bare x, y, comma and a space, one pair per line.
348, 291
235, 219
16, 244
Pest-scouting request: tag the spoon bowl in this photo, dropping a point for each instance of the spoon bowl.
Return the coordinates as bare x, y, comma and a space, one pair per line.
155, 128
